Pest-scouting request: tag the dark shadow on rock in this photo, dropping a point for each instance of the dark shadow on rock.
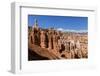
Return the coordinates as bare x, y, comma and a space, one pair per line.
34, 56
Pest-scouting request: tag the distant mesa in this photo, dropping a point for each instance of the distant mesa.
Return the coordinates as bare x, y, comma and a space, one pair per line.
70, 30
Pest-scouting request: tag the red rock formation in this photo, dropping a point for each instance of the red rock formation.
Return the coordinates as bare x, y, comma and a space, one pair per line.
54, 44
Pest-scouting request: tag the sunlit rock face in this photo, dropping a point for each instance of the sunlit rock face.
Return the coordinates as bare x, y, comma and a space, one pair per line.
45, 44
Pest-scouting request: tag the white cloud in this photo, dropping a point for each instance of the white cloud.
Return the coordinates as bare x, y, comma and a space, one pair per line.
69, 30
60, 29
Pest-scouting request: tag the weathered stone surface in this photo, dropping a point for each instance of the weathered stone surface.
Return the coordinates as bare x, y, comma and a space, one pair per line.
54, 44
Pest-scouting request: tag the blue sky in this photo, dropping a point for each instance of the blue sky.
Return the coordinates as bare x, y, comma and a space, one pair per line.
59, 22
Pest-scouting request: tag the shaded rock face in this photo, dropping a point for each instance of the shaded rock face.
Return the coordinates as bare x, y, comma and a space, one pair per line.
34, 56
48, 44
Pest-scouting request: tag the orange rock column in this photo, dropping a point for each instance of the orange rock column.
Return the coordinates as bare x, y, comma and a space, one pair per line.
49, 43
42, 39
54, 42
